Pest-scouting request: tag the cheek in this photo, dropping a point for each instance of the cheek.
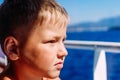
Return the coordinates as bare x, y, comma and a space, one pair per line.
46, 56
40, 57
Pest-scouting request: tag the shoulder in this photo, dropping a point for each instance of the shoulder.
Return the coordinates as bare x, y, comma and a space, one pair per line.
5, 78
7, 74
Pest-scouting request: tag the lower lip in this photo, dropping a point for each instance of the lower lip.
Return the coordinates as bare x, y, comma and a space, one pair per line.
59, 66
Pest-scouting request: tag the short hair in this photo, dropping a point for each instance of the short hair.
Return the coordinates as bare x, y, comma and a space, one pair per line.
17, 17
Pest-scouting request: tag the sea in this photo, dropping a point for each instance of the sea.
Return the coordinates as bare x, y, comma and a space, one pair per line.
78, 64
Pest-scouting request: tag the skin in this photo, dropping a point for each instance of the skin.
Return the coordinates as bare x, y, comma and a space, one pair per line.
42, 56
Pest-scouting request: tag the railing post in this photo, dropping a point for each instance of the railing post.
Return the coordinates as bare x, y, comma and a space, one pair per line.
100, 71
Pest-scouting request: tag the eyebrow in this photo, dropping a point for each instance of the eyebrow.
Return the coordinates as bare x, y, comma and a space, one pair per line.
58, 37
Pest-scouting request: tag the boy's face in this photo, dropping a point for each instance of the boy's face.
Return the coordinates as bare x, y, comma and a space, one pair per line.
44, 52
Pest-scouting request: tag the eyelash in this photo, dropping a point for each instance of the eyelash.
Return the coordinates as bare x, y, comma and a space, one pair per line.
52, 41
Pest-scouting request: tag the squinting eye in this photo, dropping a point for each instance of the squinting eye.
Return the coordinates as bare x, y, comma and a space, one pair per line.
64, 39
52, 41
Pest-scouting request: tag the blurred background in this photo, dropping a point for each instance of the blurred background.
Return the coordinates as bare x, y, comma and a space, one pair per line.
91, 20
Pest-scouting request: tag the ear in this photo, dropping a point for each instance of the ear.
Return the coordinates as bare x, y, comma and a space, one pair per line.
11, 48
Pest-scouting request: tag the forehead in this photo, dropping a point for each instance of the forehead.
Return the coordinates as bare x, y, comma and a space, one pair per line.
56, 27
47, 32
53, 28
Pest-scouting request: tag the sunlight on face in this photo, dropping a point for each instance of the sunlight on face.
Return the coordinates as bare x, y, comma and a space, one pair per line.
44, 51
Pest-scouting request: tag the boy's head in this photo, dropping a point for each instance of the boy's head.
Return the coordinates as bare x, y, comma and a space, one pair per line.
17, 17
32, 34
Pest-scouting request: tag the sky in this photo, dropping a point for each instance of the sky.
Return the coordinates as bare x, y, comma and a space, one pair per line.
90, 10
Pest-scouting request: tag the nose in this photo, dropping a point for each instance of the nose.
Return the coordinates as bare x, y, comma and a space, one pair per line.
62, 51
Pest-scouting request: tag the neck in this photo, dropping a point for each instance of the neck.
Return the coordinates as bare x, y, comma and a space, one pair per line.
25, 73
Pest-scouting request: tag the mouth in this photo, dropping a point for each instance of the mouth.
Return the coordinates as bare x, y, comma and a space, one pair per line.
59, 65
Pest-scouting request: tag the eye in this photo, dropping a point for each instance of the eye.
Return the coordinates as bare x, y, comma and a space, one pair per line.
52, 41
64, 39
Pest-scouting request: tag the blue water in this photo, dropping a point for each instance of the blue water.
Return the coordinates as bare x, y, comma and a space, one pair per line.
79, 63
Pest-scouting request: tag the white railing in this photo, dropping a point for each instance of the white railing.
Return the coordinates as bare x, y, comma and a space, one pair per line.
100, 48
3, 60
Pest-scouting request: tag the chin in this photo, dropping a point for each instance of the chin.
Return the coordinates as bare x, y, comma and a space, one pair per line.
54, 75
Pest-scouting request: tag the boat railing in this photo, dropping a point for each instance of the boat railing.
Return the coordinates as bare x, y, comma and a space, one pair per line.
100, 48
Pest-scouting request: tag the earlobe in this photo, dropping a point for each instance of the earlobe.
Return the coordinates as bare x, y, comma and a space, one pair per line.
11, 48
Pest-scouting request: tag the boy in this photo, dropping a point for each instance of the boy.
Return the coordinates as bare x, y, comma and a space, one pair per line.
32, 34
